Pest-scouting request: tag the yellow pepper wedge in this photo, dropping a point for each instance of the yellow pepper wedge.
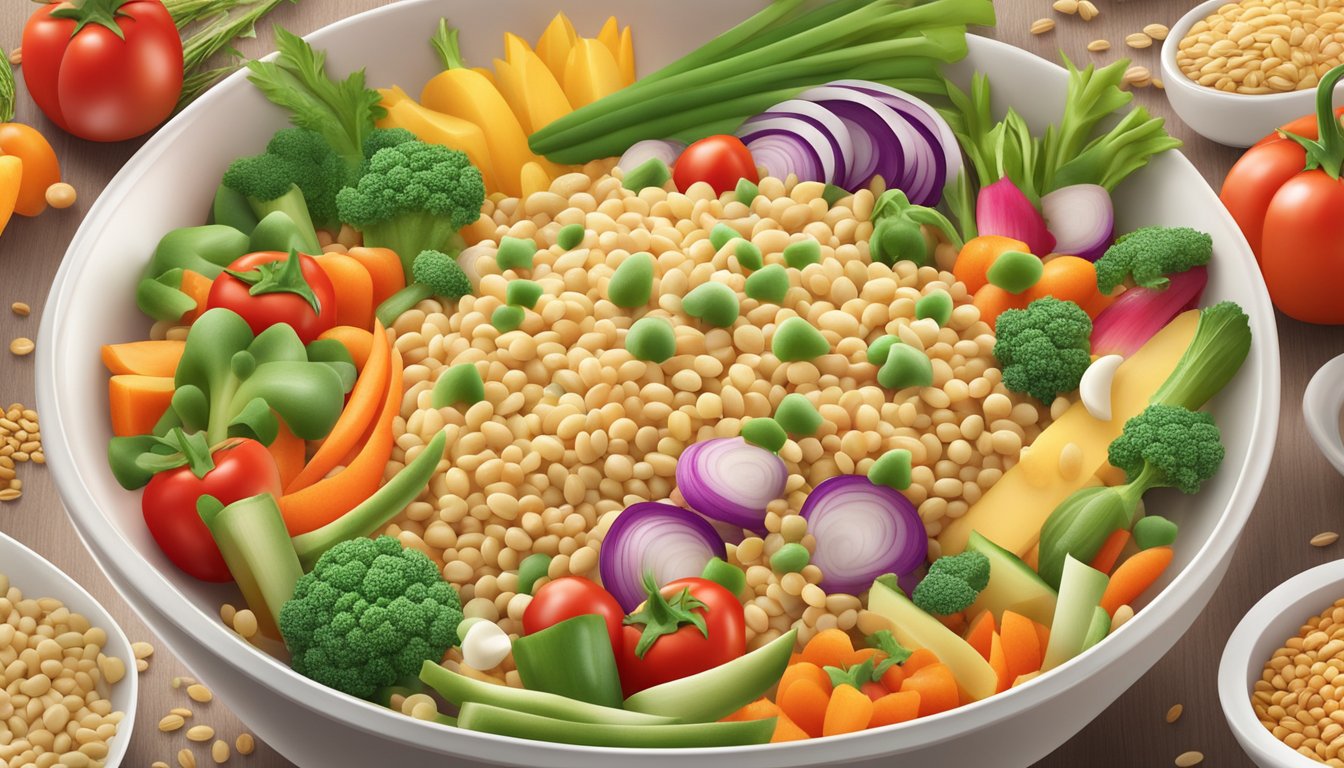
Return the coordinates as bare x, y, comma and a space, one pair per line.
543, 98
625, 56
610, 35
533, 178
437, 128
591, 73
555, 43
11, 176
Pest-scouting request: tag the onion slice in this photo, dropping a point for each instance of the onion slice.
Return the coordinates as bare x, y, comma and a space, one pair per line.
662, 539
931, 125
642, 151
1140, 313
862, 531
785, 145
1002, 209
884, 141
731, 480
1081, 218
826, 136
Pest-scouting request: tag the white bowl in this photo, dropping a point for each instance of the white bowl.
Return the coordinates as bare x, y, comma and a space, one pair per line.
169, 183
35, 577
1234, 119
1263, 630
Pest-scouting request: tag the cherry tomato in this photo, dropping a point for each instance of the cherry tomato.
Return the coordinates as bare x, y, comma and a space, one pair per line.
241, 468
265, 289
682, 650
103, 70
572, 596
720, 161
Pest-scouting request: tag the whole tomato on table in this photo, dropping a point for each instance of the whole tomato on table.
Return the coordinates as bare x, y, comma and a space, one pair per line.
103, 70
269, 287
1287, 196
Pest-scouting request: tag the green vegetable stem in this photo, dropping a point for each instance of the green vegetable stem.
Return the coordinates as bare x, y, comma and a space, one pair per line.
162, 298
207, 249
572, 658
278, 232
433, 273
460, 690
231, 209
251, 536
898, 230
505, 721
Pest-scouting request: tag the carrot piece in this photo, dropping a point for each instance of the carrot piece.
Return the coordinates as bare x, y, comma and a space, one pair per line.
1134, 576
993, 301
829, 648
197, 286
998, 661
1043, 636
978, 254
146, 358
805, 704
367, 398
803, 670
331, 497
861, 655
759, 709
982, 629
1021, 645
1071, 279
1109, 553
1033, 557
954, 621
289, 452
919, 659
384, 268
354, 289
894, 676
138, 402
849, 710
357, 341
937, 688
895, 708
787, 730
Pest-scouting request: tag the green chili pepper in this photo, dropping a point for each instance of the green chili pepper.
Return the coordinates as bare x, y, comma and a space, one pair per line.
208, 250
573, 658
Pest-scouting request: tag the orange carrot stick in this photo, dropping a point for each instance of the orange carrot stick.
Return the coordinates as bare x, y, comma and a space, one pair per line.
895, 708
1110, 551
138, 402
849, 710
998, 661
147, 358
937, 688
805, 704
787, 730
384, 267
1071, 279
759, 709
289, 453
354, 289
802, 670
197, 286
829, 648
982, 629
919, 659
1021, 645
357, 341
1134, 576
978, 255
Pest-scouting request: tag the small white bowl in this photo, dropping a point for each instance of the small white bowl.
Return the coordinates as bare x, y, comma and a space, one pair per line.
36, 577
1234, 119
1277, 617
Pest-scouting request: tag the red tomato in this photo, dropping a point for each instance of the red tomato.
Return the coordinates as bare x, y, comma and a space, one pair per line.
572, 596
271, 292
103, 70
720, 161
683, 650
242, 468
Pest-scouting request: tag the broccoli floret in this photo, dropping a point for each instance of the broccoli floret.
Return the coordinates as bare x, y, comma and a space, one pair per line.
381, 138
1044, 348
414, 197
368, 615
942, 594
1168, 446
969, 566
433, 273
298, 173
1150, 254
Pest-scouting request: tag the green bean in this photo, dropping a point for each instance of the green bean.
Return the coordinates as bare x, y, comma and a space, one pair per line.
507, 318
748, 255
768, 284
725, 574
632, 283
652, 339
790, 558
459, 385
533, 568
795, 339
515, 253
797, 415
570, 236
765, 433
937, 305
1014, 271
523, 293
712, 302
802, 253
1154, 531
892, 469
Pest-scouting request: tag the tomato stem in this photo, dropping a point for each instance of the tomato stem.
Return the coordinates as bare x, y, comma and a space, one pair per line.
1327, 152
101, 12
663, 617
279, 277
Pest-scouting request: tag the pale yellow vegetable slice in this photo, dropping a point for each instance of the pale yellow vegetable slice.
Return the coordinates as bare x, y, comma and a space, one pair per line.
915, 629
610, 36
437, 128
591, 73
545, 99
555, 43
625, 57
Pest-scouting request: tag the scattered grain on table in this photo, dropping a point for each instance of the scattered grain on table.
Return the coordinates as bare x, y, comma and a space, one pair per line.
1324, 539
181, 711
171, 723
21, 308
1041, 26
1138, 40
1087, 11
16, 57
1067, 7
1156, 31
199, 693
142, 650
142, 665
22, 346
219, 751
1158, 84
186, 759
158, 764
1189, 759
245, 744
1138, 76
200, 733
1099, 45
1174, 713
178, 682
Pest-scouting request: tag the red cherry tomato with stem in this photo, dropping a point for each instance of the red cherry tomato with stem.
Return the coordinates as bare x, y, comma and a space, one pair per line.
720, 161
270, 287
688, 626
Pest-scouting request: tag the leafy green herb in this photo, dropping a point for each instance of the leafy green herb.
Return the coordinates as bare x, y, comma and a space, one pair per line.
6, 88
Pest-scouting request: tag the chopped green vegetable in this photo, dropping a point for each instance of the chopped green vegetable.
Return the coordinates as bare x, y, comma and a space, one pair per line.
892, 469
936, 305
769, 284
833, 194
433, 273
1154, 531
790, 558
746, 191
207, 250
570, 236
1149, 254
458, 690
1222, 341
523, 293
252, 537
220, 29
230, 208
905, 367
1044, 348
631, 284
765, 433
507, 318
713, 302
1014, 271
278, 232
652, 339
970, 566
295, 158
508, 721
797, 415
802, 253
898, 230
650, 173
533, 568
880, 350
461, 384
719, 691
748, 255
943, 594
162, 298
6, 89
795, 339
725, 574
572, 658
722, 234
516, 253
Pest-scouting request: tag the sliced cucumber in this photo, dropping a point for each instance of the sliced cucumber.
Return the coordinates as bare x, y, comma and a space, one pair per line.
718, 692
1013, 585
1098, 629
915, 629
1080, 590
522, 725
460, 690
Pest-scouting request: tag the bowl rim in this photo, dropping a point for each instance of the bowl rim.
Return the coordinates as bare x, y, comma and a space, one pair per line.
1235, 697
98, 616
131, 572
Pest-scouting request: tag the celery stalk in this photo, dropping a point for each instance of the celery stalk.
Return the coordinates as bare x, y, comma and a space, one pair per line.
251, 536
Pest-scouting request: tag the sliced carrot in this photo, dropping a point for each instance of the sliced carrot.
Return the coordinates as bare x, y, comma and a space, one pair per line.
937, 688
919, 659
354, 289
1071, 279
147, 358
982, 629
357, 341
1109, 553
1021, 645
998, 661
1043, 636
895, 708
367, 398
993, 301
759, 709
805, 704
787, 730
803, 670
138, 402
861, 655
978, 254
331, 497
384, 268
829, 648
954, 621
894, 676
849, 710
197, 286
1134, 576
289, 453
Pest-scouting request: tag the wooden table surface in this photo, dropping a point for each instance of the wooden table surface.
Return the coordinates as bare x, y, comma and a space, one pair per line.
1301, 497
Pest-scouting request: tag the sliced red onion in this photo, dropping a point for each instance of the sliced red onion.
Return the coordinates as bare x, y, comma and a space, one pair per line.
1081, 218
826, 134
667, 541
946, 162
784, 145
641, 151
1002, 209
1140, 313
731, 480
862, 531
885, 143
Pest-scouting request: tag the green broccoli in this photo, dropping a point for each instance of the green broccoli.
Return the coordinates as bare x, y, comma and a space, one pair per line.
381, 138
1150, 254
414, 197
369, 615
969, 566
433, 273
952, 583
299, 174
1044, 348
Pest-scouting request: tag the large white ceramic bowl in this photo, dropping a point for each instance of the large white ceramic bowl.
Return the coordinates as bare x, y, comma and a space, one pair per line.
170, 183
36, 577
1263, 630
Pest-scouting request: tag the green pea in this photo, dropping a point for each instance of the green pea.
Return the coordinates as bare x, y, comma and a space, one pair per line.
725, 574
891, 469
464, 626
632, 283
833, 194
515, 253
746, 191
652, 339
722, 234
1014, 271
937, 305
570, 236
797, 415
459, 385
712, 302
795, 339
905, 367
748, 255
507, 318
790, 558
1154, 531
765, 433
650, 173
533, 568
880, 350
769, 284
523, 293
802, 253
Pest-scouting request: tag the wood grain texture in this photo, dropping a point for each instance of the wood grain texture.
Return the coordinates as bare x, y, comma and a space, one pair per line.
1300, 499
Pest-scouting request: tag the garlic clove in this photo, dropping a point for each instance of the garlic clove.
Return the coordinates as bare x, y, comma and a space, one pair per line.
485, 646
1095, 387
